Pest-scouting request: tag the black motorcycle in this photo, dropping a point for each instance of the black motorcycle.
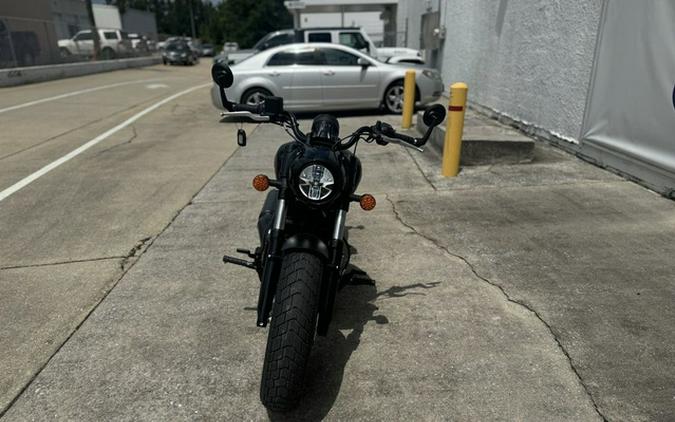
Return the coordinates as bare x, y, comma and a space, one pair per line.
303, 257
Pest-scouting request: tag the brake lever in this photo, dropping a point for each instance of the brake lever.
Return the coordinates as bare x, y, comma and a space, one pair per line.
400, 142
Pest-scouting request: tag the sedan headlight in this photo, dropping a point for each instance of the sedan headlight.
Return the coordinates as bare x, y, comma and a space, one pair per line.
316, 182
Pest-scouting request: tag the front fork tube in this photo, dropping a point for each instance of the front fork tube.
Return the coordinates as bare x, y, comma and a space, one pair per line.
332, 278
272, 268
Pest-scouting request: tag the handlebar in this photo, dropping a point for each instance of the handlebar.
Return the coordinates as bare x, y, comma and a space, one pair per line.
272, 109
384, 133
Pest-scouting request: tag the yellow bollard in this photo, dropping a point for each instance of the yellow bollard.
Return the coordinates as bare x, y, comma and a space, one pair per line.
452, 148
408, 98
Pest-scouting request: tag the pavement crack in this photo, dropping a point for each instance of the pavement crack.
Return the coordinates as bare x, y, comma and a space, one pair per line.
134, 251
134, 135
508, 297
414, 160
70, 261
85, 125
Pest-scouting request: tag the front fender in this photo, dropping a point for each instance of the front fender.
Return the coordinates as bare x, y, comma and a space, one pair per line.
306, 242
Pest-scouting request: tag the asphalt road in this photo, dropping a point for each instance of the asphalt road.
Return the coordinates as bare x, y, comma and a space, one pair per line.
70, 234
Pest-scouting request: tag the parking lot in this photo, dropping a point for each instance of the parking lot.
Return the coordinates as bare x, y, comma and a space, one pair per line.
487, 303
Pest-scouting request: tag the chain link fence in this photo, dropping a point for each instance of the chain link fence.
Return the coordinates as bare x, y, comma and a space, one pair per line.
27, 42
33, 42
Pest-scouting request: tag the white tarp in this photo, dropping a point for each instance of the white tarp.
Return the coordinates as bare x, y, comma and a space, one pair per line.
629, 122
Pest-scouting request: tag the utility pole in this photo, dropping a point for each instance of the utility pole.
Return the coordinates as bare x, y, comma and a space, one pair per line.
94, 31
192, 22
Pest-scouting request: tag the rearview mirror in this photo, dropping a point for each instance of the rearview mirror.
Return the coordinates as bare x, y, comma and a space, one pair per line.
363, 62
222, 75
434, 115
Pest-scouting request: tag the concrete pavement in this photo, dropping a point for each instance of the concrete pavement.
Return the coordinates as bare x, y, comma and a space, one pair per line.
70, 235
528, 292
590, 253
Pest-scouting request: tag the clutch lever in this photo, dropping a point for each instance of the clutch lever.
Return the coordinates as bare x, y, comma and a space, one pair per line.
243, 115
400, 142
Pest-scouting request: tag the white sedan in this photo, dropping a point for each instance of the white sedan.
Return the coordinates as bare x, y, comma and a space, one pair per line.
326, 76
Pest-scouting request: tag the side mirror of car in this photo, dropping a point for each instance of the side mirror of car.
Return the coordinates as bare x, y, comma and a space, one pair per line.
434, 115
363, 62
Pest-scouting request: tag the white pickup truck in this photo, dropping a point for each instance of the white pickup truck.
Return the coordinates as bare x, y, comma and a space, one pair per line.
351, 37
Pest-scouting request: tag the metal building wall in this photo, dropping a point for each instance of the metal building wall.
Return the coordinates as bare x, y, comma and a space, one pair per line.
599, 74
630, 118
529, 59
409, 20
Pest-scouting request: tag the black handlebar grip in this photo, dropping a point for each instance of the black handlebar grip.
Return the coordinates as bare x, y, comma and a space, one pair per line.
406, 138
388, 130
256, 109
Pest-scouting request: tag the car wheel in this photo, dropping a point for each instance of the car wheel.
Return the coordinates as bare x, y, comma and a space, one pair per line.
393, 98
255, 96
63, 51
107, 53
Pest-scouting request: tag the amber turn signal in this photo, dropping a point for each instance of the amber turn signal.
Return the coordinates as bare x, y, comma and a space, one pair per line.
367, 202
261, 183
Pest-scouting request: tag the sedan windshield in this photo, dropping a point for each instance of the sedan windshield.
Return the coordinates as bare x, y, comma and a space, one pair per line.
177, 47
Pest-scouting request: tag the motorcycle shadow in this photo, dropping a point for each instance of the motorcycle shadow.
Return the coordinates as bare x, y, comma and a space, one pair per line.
354, 308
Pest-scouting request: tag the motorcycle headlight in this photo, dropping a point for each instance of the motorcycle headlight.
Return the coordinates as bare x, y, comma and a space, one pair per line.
316, 182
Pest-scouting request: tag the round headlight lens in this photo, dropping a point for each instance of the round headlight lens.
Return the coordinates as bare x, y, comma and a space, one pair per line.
316, 182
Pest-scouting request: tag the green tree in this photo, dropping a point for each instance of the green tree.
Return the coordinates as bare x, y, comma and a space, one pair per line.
242, 21
246, 21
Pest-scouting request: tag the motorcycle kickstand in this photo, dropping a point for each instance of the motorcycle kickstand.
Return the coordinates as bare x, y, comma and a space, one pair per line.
355, 277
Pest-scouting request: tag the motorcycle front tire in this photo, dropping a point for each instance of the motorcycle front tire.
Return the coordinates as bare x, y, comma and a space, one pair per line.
291, 331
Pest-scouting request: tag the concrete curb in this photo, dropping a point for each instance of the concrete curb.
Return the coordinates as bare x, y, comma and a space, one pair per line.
27, 75
485, 142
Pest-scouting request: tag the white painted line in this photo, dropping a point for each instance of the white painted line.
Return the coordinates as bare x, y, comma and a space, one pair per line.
49, 167
71, 94
156, 86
